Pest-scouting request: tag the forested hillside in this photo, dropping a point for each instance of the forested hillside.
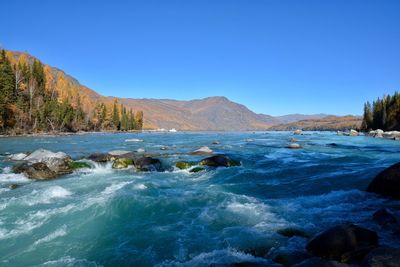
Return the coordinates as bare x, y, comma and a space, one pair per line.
35, 97
383, 114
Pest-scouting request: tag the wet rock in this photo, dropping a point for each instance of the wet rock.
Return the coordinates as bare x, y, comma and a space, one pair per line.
353, 133
345, 243
318, 262
333, 145
13, 186
294, 146
196, 169
121, 154
146, 164
100, 157
58, 162
39, 171
382, 257
290, 232
297, 132
183, 165
383, 217
18, 156
74, 165
387, 182
122, 163
215, 143
202, 151
219, 161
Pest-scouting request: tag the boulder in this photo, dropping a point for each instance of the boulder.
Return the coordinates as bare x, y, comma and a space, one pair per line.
13, 186
148, 164
100, 157
294, 146
379, 133
382, 257
39, 171
219, 161
297, 132
122, 163
57, 162
387, 182
18, 156
121, 154
353, 132
383, 217
344, 243
183, 165
202, 151
215, 143
288, 258
318, 262
391, 135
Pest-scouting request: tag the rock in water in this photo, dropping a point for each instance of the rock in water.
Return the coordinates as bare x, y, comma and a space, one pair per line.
353, 132
345, 243
100, 157
297, 132
57, 162
294, 146
219, 161
39, 171
202, 151
121, 154
122, 163
383, 217
183, 165
382, 257
148, 164
18, 156
387, 183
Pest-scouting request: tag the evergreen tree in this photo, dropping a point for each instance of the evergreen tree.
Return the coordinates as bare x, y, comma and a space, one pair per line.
7, 95
139, 120
115, 116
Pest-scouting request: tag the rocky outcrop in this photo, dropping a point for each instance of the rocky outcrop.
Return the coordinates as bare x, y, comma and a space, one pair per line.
122, 163
58, 162
147, 164
387, 182
219, 161
344, 243
37, 171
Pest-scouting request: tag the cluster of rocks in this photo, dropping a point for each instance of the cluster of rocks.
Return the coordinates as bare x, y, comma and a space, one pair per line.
346, 245
44, 164
394, 135
352, 132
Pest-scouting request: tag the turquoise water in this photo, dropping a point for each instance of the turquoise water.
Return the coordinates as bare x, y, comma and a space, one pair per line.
105, 217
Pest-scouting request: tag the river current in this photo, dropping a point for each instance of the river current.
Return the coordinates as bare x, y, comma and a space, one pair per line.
106, 217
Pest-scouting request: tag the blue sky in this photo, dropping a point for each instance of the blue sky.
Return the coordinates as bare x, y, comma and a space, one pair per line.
276, 57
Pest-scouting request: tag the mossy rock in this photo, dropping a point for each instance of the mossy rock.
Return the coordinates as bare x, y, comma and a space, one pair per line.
219, 161
183, 165
122, 163
74, 165
197, 169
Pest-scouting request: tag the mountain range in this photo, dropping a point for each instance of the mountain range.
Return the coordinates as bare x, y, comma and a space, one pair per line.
211, 113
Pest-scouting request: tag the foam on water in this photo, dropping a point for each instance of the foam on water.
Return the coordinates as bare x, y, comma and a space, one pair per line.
58, 233
47, 196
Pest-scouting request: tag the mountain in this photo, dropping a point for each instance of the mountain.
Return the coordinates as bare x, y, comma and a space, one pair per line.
328, 123
211, 113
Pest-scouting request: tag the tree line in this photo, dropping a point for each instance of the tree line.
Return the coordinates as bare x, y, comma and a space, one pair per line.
30, 102
383, 114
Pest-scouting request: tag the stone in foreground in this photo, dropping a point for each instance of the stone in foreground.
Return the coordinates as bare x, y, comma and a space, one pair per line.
147, 164
387, 183
344, 243
219, 161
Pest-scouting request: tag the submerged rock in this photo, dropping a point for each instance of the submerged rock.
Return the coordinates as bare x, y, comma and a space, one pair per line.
383, 217
204, 150
39, 171
74, 165
387, 182
289, 258
290, 232
196, 169
215, 143
122, 163
382, 257
13, 186
294, 146
345, 243
146, 164
219, 161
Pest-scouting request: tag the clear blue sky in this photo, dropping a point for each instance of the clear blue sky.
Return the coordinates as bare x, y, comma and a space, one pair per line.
276, 57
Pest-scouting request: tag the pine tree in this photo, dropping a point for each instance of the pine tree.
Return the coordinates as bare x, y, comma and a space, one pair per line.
115, 116
139, 120
7, 92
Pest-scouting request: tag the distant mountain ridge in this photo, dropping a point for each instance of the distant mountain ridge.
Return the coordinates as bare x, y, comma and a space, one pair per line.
209, 114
